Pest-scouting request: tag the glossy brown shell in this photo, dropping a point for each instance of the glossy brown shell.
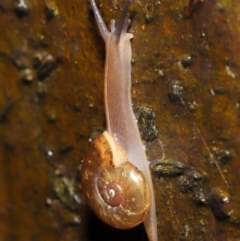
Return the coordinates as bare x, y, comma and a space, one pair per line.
116, 190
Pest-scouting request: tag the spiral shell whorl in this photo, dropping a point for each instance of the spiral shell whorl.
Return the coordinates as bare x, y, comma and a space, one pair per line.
118, 193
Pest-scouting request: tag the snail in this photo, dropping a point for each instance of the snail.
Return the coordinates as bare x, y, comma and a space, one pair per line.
115, 175
116, 190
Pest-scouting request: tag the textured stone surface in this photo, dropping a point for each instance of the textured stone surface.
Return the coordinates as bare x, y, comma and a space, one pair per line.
185, 70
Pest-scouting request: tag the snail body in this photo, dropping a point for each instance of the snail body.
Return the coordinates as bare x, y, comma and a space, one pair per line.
116, 190
126, 197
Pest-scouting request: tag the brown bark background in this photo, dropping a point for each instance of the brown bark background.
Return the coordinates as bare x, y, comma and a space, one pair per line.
186, 98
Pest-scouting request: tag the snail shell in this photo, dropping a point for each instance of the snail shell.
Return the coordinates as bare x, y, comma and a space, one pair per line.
116, 190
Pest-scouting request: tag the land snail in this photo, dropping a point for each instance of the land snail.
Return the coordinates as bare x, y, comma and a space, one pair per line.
115, 175
115, 189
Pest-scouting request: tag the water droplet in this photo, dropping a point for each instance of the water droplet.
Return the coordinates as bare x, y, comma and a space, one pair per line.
192, 106
50, 153
21, 8
36, 60
27, 76
51, 117
51, 12
47, 65
223, 155
49, 202
149, 14
186, 60
176, 90
220, 203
